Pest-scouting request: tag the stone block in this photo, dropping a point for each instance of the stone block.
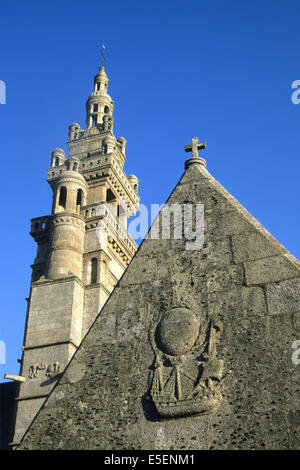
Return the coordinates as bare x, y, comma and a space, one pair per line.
284, 296
236, 303
226, 224
220, 280
269, 270
252, 245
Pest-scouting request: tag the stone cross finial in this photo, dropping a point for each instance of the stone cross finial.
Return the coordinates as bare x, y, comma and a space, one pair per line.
195, 159
196, 145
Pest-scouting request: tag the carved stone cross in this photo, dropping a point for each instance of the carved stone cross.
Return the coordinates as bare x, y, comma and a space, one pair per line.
196, 145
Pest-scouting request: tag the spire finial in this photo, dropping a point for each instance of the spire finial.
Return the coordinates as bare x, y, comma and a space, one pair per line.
102, 54
196, 145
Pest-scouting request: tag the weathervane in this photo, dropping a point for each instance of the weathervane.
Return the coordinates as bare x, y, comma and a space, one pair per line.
102, 54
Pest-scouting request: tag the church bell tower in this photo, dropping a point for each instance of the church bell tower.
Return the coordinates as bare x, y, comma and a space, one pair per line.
83, 249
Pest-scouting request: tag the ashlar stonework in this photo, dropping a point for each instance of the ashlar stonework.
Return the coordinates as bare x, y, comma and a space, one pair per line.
193, 349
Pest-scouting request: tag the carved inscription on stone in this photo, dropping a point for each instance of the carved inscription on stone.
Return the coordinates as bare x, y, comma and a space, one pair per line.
187, 374
49, 370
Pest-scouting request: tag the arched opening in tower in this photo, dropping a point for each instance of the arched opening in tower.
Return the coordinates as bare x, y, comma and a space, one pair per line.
79, 200
62, 198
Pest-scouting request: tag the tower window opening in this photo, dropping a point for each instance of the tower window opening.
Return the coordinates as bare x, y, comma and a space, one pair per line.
98, 86
112, 205
95, 108
104, 148
106, 110
79, 200
57, 161
94, 271
62, 198
110, 196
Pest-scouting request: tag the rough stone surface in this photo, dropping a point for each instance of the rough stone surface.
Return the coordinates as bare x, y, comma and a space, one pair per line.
236, 384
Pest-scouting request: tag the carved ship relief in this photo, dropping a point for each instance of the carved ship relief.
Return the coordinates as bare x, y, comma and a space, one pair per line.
187, 375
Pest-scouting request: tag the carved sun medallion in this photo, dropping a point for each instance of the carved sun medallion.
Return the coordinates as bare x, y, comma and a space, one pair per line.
177, 331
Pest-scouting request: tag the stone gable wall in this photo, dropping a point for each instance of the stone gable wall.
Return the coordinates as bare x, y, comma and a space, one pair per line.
239, 296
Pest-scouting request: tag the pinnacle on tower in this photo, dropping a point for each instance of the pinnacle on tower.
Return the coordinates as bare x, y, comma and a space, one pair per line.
99, 103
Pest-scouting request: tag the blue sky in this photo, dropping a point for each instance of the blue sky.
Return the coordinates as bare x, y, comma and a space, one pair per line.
219, 70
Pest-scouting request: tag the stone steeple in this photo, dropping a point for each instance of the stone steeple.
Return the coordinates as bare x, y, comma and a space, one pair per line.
195, 349
99, 103
83, 249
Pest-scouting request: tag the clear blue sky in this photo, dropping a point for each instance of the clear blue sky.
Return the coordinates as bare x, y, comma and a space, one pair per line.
219, 70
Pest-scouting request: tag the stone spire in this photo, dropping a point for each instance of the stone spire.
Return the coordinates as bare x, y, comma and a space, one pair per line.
99, 103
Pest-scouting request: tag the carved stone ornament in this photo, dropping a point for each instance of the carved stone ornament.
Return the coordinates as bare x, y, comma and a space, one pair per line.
50, 370
187, 376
